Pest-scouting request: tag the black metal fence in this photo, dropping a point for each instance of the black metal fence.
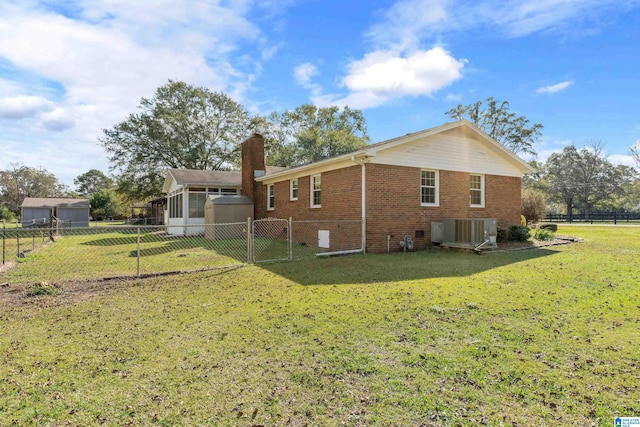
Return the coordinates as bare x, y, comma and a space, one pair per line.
595, 217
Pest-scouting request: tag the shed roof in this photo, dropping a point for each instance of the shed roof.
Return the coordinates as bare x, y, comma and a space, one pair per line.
54, 202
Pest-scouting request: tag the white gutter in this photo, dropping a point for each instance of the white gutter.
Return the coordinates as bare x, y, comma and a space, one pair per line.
363, 187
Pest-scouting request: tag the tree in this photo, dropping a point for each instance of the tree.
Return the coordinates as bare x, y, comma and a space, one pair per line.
534, 205
583, 177
23, 181
104, 204
92, 181
496, 120
308, 134
182, 126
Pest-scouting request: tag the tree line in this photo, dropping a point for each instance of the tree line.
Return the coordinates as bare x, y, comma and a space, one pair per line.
184, 126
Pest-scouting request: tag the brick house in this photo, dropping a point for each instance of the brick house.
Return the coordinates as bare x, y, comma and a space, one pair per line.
397, 187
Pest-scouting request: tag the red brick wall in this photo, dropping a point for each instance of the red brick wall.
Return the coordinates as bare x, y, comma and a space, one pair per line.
393, 202
252, 160
340, 197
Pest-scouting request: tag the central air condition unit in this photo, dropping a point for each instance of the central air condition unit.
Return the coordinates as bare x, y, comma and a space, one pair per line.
466, 233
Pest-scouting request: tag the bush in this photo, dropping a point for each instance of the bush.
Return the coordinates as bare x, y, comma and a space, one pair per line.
502, 234
551, 227
518, 233
6, 214
41, 288
534, 205
543, 234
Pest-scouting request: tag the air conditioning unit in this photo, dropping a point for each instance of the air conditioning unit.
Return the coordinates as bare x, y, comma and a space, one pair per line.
465, 233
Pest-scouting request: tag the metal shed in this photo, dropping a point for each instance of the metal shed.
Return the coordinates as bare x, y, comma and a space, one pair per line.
46, 210
226, 210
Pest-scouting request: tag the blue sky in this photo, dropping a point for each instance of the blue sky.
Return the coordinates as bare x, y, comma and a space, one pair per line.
69, 68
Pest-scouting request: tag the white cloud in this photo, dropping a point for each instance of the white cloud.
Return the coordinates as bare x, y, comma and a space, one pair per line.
90, 61
382, 76
621, 159
408, 22
23, 106
453, 97
303, 73
57, 120
558, 87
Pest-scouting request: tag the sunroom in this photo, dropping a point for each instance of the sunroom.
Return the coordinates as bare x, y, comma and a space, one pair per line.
187, 190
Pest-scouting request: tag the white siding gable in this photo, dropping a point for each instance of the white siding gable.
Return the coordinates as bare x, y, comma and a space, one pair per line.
454, 150
174, 186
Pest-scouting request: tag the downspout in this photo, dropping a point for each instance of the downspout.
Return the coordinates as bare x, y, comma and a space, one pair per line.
363, 187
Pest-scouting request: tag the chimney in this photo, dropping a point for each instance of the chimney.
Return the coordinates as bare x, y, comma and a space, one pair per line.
253, 167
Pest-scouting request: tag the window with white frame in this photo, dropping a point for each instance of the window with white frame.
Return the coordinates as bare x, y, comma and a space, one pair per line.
477, 191
429, 194
175, 206
196, 204
315, 191
271, 197
293, 189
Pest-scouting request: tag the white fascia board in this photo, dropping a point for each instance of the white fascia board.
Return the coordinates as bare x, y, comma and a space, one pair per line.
333, 163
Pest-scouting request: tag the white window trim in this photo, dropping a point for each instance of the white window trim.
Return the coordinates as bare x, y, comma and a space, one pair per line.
311, 192
482, 203
437, 203
293, 199
270, 191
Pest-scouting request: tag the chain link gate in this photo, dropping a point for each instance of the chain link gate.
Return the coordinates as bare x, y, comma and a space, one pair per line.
271, 240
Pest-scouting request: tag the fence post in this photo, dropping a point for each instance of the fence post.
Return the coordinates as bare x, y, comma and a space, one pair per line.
249, 242
290, 239
138, 254
17, 240
4, 237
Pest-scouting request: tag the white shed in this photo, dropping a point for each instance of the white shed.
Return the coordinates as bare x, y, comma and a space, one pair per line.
226, 210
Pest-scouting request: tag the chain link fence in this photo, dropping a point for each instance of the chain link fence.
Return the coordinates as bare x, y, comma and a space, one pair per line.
92, 253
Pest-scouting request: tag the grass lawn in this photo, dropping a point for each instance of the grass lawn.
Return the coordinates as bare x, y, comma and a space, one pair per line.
529, 338
106, 252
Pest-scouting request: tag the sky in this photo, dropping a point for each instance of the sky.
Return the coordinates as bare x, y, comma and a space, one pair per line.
71, 68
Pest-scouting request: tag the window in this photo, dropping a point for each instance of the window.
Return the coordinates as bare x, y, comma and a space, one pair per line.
477, 191
429, 188
196, 204
315, 191
175, 206
222, 191
271, 198
293, 189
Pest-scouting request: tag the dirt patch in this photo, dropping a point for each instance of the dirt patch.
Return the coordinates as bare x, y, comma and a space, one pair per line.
8, 265
534, 244
80, 290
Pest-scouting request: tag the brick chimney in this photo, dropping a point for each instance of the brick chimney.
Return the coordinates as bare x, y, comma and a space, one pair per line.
253, 167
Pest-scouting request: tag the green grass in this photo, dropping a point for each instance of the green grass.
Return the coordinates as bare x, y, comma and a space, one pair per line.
105, 252
528, 338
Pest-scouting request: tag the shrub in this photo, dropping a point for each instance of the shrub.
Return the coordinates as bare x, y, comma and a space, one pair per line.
551, 227
534, 204
41, 288
519, 233
6, 214
502, 234
543, 234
